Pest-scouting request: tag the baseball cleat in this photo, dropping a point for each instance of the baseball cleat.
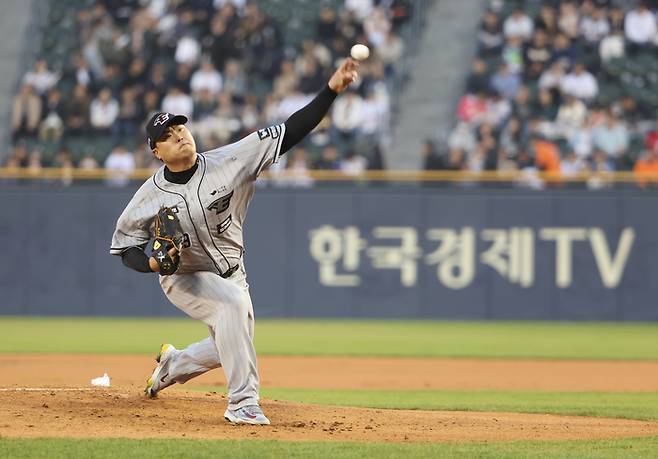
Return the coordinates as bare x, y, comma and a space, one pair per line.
158, 379
251, 414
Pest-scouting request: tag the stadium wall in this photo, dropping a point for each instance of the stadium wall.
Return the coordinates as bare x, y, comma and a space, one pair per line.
352, 251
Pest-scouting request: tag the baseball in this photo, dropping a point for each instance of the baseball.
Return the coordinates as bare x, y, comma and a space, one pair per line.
360, 52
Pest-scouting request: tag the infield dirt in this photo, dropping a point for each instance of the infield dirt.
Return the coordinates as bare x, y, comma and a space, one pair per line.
50, 396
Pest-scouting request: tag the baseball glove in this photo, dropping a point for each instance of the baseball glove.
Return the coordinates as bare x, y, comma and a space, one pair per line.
167, 235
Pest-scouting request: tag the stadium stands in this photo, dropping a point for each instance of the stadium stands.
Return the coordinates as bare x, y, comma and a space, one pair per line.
580, 76
233, 65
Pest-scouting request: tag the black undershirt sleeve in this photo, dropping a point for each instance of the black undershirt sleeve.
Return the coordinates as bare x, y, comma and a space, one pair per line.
305, 119
136, 259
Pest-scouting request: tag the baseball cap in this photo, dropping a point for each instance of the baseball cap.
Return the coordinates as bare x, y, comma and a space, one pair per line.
158, 123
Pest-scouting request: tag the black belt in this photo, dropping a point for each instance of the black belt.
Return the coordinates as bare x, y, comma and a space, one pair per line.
229, 272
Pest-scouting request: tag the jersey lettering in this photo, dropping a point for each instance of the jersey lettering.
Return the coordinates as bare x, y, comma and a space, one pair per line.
221, 204
223, 226
272, 131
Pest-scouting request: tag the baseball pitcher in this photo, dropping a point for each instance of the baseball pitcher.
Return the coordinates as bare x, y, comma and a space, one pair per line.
193, 209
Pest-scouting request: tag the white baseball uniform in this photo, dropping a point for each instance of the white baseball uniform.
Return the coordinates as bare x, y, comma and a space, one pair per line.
210, 283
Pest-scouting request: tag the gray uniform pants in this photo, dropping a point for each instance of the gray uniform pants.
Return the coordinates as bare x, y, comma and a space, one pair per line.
225, 306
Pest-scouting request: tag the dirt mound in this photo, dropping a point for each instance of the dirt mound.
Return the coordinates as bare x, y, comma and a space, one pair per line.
123, 412
352, 373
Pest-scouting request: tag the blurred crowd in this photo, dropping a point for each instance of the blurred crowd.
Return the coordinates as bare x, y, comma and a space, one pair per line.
225, 64
560, 86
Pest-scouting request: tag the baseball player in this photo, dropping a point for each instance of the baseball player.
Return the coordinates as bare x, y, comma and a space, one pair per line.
209, 194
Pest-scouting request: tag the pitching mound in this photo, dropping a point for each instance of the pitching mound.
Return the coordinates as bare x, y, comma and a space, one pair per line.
93, 413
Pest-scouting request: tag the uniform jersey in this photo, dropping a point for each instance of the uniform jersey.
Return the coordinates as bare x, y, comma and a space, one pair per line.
211, 206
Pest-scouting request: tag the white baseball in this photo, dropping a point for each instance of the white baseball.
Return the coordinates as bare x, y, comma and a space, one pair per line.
359, 52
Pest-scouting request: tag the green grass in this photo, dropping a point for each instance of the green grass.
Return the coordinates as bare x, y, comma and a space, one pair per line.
629, 405
119, 448
633, 341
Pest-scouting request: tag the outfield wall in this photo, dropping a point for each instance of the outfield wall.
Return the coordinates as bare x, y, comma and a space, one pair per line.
350, 251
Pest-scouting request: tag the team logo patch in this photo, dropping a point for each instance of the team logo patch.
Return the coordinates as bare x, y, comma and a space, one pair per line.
273, 131
161, 119
220, 205
223, 226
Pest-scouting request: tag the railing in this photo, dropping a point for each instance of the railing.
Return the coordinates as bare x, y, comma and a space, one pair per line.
369, 176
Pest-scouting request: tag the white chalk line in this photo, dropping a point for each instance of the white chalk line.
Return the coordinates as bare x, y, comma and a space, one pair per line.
49, 389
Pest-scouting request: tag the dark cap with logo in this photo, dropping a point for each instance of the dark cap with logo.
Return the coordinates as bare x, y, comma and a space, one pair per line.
158, 123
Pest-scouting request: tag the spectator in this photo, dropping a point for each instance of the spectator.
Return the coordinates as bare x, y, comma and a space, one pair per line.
296, 173
570, 116
347, 115
462, 137
103, 111
553, 76
19, 156
328, 160
547, 155
595, 27
522, 106
572, 165
120, 164
505, 82
250, 116
360, 8
82, 74
205, 104
647, 165
518, 25
498, 110
374, 113
88, 162
327, 27
206, 78
545, 108
76, 112
513, 54
580, 83
432, 161
311, 77
25, 113
456, 160
52, 126
601, 169
41, 79
569, 19
612, 138
377, 26
187, 50
178, 102
564, 50
651, 139
34, 164
354, 164
537, 55
182, 77
490, 35
472, 107
547, 19
64, 162
612, 46
235, 81
287, 81
128, 117
640, 27
478, 80
512, 138
390, 51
